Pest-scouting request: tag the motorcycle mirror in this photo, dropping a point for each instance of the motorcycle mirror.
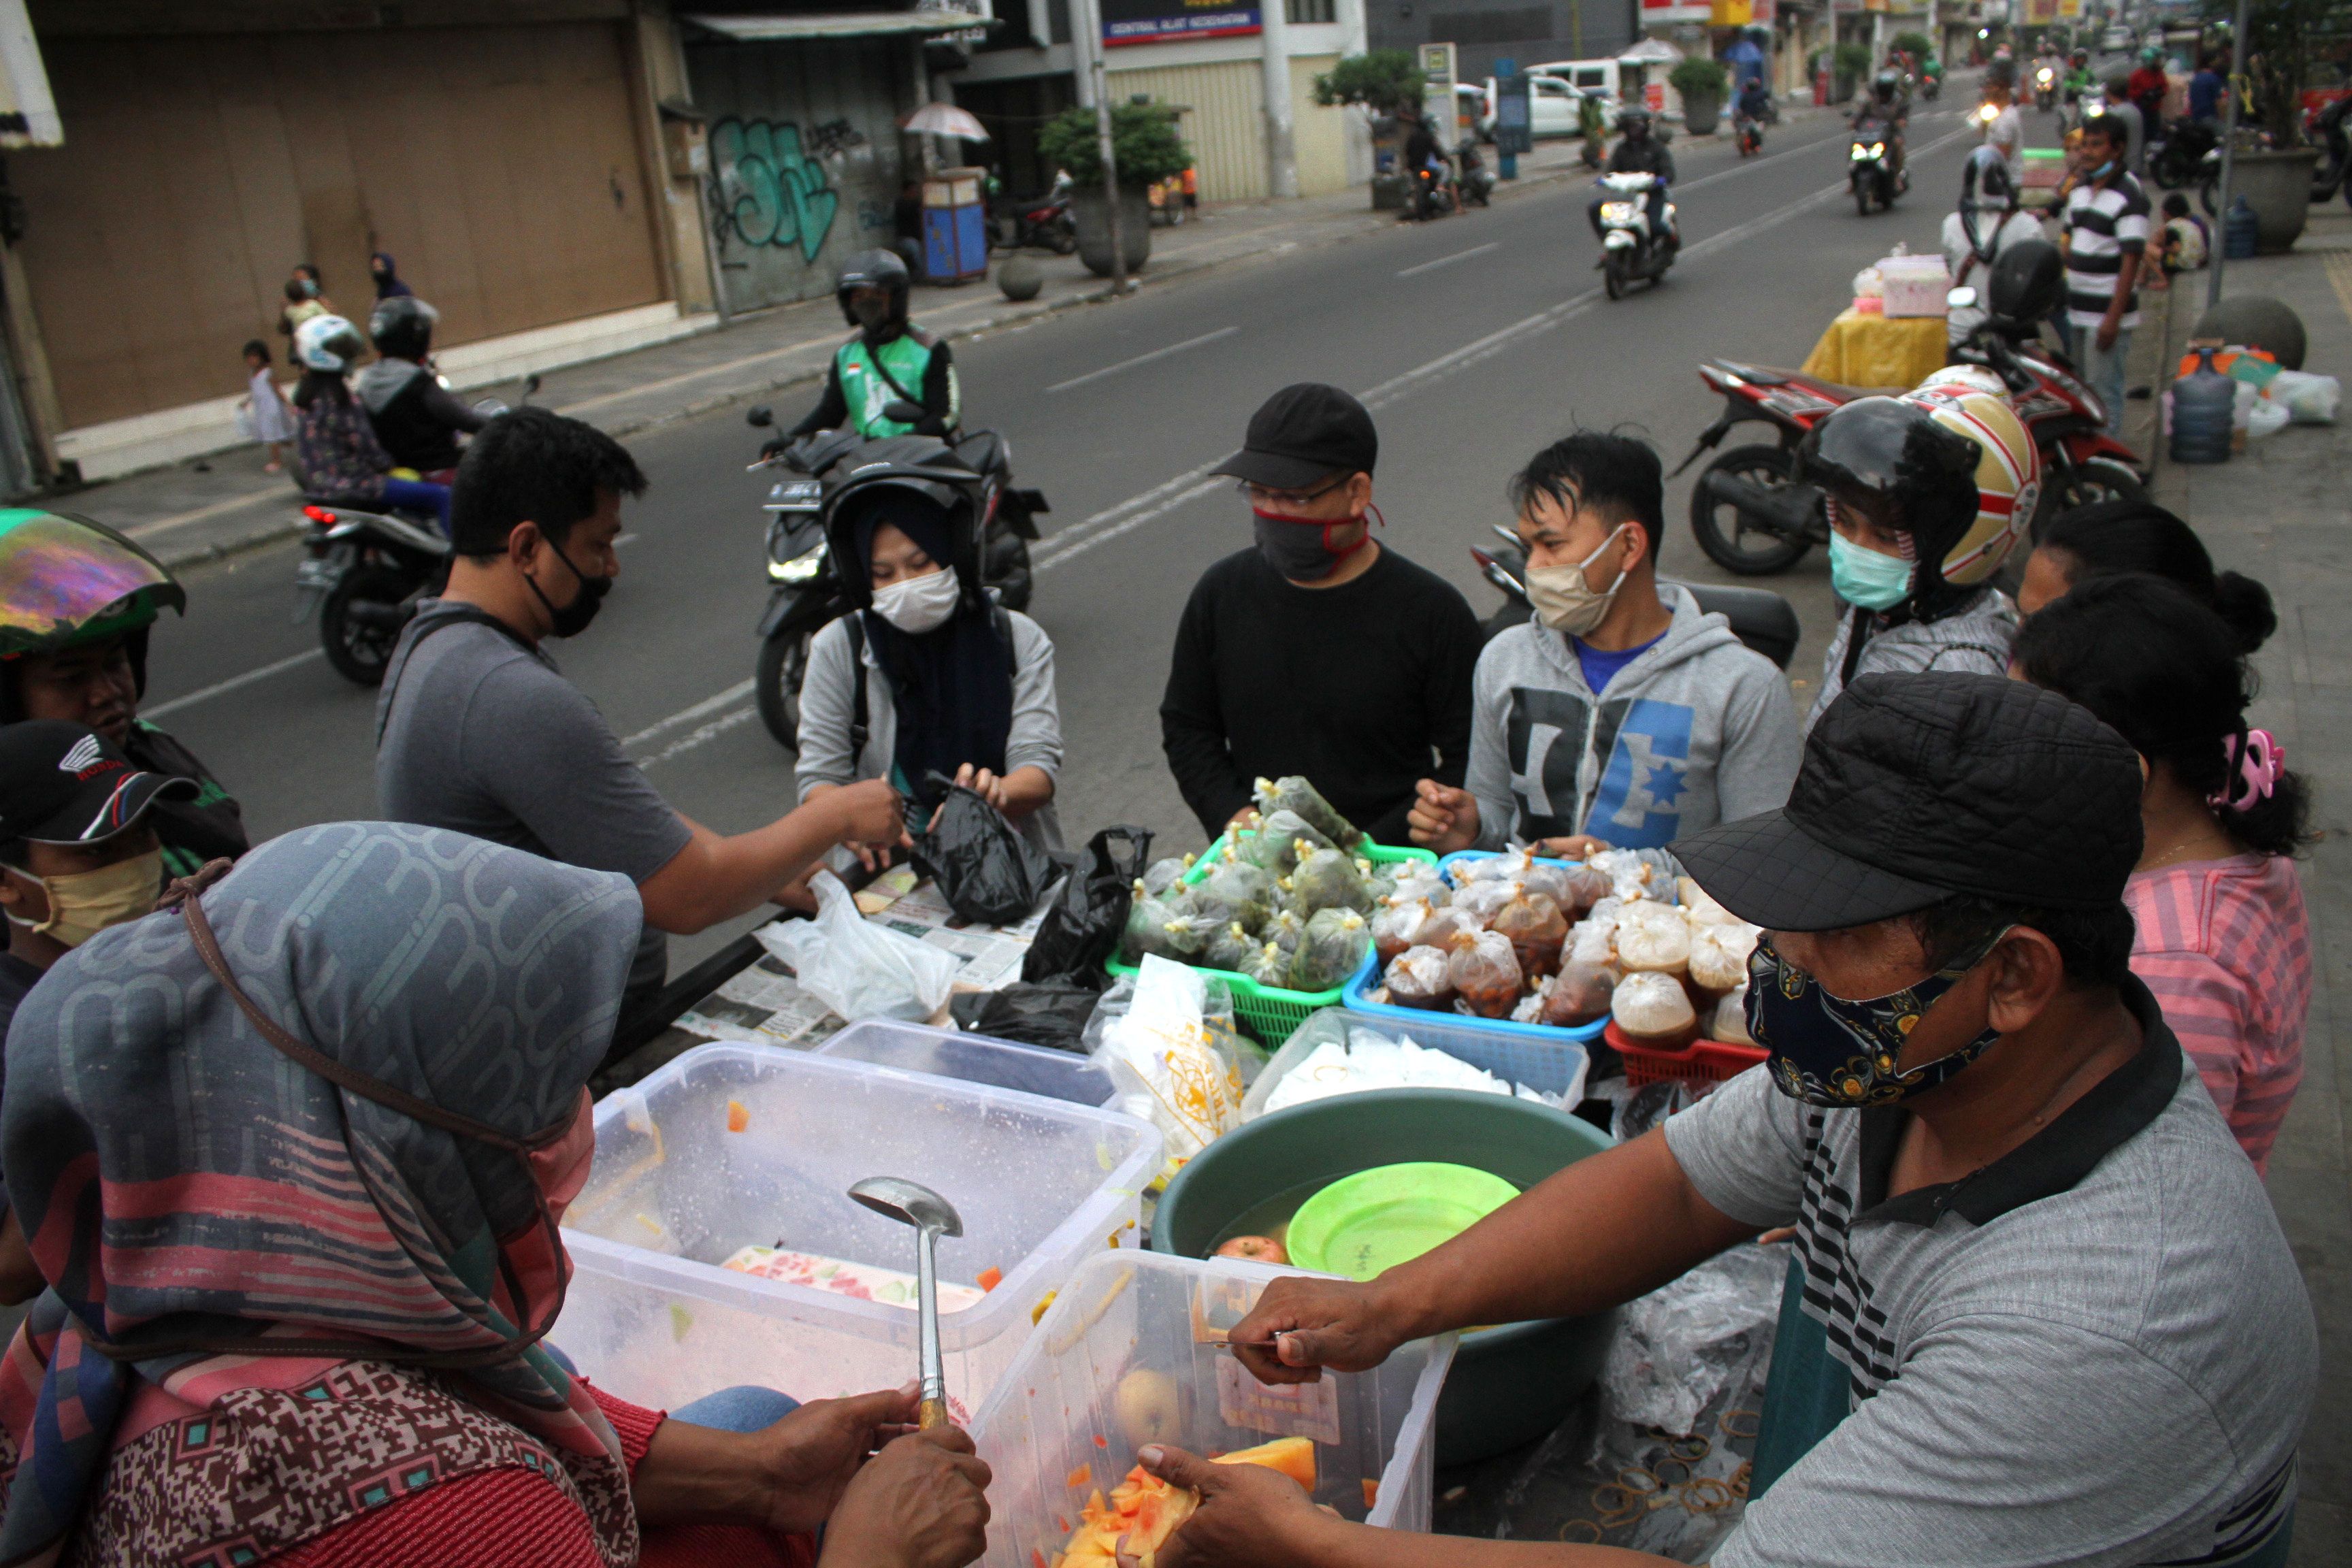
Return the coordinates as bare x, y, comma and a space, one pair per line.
760, 416
531, 385
904, 412
1963, 298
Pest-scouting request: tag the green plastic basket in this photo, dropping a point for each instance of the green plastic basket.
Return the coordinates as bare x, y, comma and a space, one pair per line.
1268, 1012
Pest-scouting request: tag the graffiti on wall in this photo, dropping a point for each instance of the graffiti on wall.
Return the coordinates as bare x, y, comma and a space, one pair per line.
769, 187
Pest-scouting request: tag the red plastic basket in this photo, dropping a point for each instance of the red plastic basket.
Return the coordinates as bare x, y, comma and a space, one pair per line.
1704, 1061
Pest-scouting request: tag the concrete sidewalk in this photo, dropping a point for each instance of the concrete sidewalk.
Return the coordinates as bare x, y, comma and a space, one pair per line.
208, 507
2278, 511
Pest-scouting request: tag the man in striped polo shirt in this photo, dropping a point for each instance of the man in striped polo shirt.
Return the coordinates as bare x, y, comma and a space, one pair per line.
2106, 234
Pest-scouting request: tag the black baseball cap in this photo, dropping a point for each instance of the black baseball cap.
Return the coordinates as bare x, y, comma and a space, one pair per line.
64, 783
1303, 434
1918, 786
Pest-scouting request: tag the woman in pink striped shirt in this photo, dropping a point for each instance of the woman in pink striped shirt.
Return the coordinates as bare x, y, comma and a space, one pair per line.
2222, 941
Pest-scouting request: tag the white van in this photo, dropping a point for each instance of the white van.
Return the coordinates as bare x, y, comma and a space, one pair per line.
1585, 75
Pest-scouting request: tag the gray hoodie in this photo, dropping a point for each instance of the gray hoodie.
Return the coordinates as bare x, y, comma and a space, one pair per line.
1698, 730
1973, 641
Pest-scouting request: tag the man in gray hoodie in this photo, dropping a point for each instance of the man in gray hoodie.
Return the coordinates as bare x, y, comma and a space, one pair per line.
1623, 716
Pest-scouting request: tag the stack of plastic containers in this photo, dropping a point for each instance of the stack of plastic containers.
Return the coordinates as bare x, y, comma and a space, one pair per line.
974, 1059
730, 1146
1132, 1353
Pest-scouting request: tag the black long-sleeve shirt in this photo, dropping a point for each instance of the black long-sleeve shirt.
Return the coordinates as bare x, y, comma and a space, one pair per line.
1363, 687
832, 411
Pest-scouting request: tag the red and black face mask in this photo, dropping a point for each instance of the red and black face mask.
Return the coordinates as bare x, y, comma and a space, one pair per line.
1309, 549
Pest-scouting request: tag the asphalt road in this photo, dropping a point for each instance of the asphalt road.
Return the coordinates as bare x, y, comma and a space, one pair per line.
1475, 339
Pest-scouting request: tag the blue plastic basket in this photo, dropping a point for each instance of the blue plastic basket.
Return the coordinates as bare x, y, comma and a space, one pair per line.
1358, 995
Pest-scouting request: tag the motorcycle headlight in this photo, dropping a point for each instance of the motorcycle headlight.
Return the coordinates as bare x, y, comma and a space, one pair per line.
1859, 152
1618, 211
1878, 149
800, 569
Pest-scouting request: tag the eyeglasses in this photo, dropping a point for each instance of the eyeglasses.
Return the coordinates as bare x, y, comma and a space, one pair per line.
1287, 500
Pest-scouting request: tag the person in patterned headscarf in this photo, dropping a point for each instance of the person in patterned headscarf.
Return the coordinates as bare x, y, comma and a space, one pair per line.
296, 1294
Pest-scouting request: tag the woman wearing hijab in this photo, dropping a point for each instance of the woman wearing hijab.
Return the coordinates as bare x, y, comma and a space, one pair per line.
295, 1292
388, 284
929, 679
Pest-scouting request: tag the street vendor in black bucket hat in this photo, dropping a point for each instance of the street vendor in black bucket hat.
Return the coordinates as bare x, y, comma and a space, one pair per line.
2038, 1309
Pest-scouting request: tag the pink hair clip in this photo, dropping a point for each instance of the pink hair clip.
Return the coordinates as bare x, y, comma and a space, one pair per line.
2255, 761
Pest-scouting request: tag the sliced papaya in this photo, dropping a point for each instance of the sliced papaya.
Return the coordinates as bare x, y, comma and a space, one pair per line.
1293, 1457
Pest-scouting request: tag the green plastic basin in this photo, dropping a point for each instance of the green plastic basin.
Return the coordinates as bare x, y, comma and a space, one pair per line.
1510, 1384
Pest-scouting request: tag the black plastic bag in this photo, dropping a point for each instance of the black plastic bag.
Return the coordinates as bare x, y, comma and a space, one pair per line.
1083, 926
985, 869
1054, 1014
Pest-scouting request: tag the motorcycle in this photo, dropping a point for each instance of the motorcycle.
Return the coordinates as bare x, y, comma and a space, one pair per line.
1434, 191
1869, 170
2177, 157
1629, 253
1931, 88
1750, 515
1749, 132
1477, 185
1759, 618
2046, 89
363, 571
804, 591
1043, 222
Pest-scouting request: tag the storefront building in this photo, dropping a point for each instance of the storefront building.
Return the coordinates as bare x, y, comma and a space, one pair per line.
1484, 31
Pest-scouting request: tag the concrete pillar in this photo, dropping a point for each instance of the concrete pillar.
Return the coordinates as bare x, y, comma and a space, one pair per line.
1281, 151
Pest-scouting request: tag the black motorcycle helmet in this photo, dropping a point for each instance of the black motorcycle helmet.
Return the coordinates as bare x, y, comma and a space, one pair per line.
2026, 284
883, 269
1891, 459
1884, 84
881, 472
1634, 122
401, 327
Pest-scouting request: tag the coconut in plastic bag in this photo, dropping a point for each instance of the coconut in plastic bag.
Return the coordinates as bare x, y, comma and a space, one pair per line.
1485, 973
1652, 936
1654, 1010
1718, 956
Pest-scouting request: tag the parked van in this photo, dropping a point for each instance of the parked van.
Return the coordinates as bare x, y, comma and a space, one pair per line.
1552, 107
1585, 75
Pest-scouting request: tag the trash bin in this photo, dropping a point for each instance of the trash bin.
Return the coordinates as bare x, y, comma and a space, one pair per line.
955, 226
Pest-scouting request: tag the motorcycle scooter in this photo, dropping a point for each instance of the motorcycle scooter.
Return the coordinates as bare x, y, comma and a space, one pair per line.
1760, 618
1870, 169
1746, 511
2046, 88
363, 571
1629, 253
804, 589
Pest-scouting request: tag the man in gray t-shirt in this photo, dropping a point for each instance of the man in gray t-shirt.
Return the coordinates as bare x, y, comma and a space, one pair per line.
2038, 1310
476, 730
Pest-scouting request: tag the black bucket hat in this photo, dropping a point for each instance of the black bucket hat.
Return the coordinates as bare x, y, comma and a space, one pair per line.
1918, 786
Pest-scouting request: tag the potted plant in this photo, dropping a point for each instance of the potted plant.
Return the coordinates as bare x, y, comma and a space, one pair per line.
1849, 65
1701, 80
1147, 149
2275, 177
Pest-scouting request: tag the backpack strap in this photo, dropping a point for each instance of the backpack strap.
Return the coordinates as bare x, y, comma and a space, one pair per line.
860, 724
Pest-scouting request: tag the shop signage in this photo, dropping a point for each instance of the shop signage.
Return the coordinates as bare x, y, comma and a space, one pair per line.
1164, 21
1663, 13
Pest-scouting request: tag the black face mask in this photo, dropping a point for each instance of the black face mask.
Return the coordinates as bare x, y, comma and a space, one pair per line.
872, 314
573, 618
1301, 548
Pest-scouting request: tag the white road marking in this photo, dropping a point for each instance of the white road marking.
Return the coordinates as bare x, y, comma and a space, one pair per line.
708, 705
207, 693
1143, 359
1450, 260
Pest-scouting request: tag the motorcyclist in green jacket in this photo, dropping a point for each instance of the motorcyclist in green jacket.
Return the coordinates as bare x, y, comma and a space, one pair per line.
889, 361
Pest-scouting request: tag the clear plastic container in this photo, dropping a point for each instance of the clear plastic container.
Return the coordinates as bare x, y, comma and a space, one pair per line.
675, 1192
1555, 1066
974, 1059
1132, 1353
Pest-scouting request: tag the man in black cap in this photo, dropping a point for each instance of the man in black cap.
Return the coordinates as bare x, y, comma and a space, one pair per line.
2039, 1310
77, 855
1319, 652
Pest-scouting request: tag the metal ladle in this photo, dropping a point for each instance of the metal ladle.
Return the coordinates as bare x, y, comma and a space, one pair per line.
911, 1203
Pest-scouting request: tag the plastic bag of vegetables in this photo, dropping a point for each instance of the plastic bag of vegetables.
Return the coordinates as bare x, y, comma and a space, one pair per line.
1275, 845
1327, 880
1337, 941
1294, 794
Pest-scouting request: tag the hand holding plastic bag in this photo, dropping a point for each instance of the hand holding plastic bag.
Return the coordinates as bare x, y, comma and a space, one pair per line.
856, 968
985, 869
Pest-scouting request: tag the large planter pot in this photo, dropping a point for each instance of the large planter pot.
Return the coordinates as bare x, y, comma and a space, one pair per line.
1092, 214
1388, 192
2277, 185
1700, 113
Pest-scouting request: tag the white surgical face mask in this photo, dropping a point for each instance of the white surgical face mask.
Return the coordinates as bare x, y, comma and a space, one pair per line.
918, 605
1564, 601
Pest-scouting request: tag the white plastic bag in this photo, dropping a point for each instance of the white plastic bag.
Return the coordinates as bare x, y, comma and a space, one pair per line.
856, 968
1164, 1058
2266, 418
2309, 399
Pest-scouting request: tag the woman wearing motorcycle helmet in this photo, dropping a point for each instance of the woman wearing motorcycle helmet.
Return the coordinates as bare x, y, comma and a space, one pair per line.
335, 447
413, 414
77, 600
926, 679
1928, 494
889, 361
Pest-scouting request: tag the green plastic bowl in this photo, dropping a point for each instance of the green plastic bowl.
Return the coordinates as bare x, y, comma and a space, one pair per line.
1510, 1384
1365, 1225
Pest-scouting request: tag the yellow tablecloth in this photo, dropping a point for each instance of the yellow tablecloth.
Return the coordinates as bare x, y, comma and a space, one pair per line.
1878, 351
